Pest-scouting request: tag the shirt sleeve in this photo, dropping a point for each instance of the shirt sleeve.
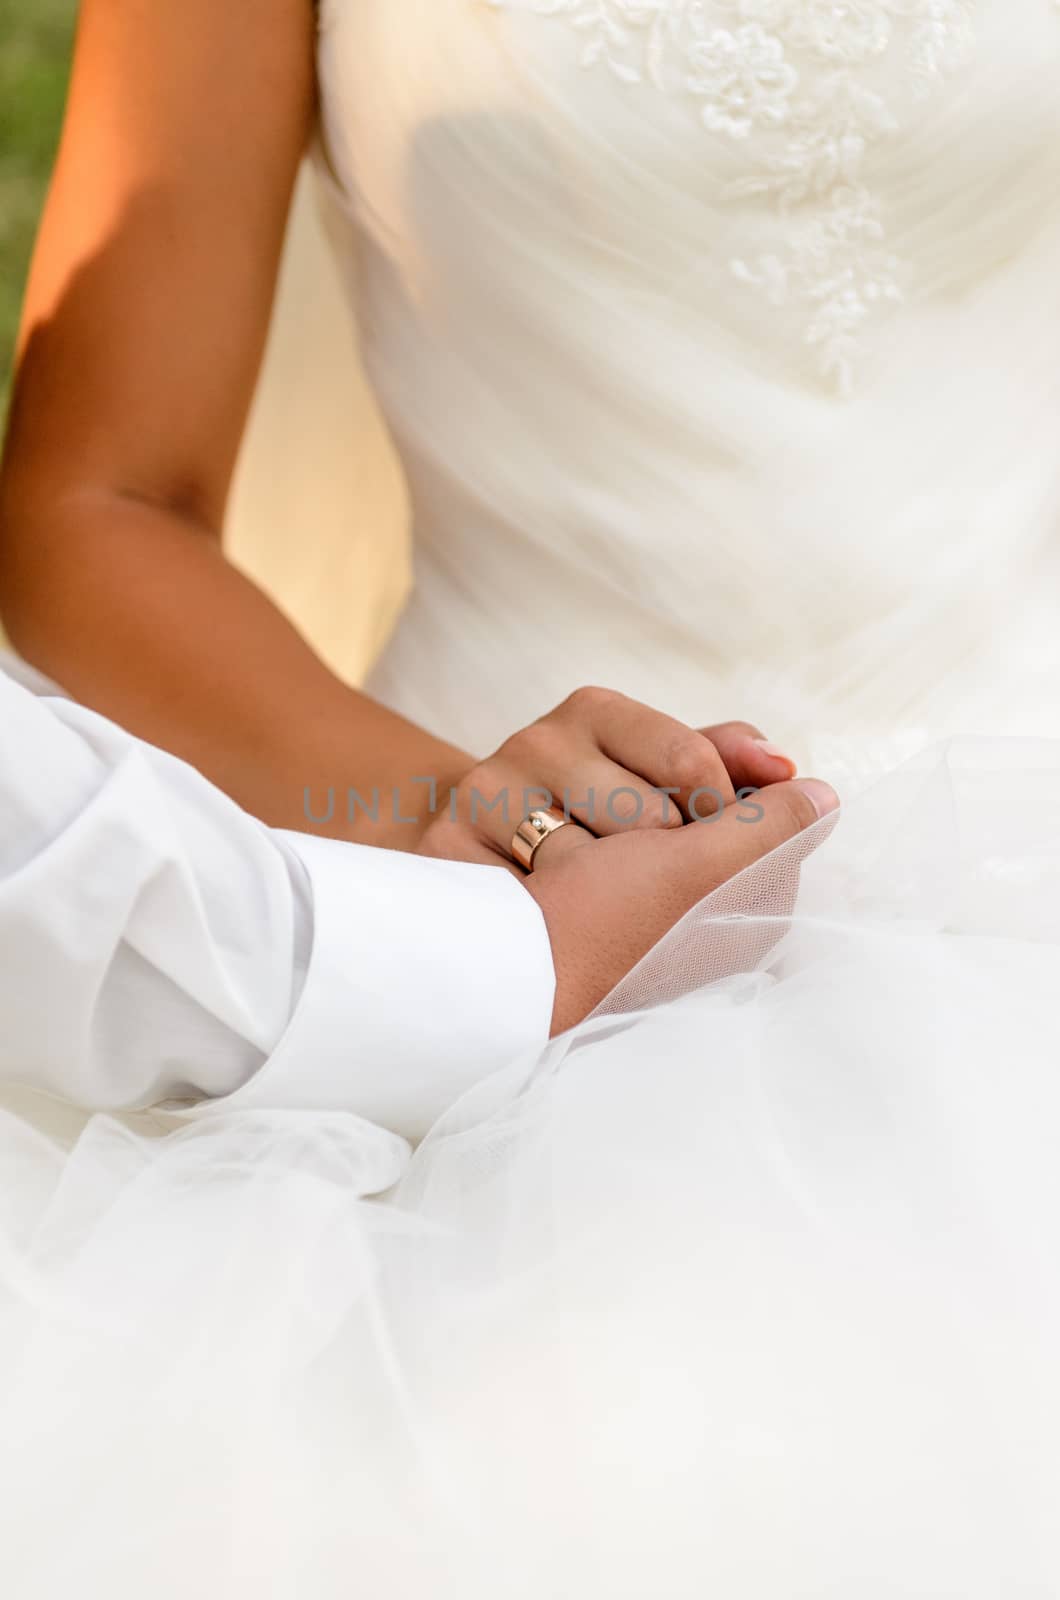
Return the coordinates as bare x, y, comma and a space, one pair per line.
162, 947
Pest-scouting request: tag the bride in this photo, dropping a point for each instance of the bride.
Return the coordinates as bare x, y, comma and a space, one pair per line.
720, 342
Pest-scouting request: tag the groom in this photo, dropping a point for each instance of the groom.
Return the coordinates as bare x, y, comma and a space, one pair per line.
161, 947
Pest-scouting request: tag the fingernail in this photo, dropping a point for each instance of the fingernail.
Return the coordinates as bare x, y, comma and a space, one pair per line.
775, 752
821, 796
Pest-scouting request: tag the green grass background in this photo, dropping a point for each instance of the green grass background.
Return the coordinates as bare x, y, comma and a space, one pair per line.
35, 38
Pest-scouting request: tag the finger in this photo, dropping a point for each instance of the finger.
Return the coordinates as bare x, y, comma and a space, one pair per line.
718, 852
748, 831
752, 760
608, 907
559, 844
500, 805
589, 789
452, 839
607, 798
668, 755
496, 816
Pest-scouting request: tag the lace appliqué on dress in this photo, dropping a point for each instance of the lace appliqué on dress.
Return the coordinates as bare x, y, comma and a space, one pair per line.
789, 81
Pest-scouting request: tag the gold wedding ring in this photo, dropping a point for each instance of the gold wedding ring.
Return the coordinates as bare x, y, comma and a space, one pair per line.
532, 832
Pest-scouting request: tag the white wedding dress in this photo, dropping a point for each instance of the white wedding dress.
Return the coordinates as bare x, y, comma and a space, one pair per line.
720, 340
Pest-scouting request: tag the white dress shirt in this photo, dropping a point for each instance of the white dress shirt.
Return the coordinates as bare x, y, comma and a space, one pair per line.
158, 946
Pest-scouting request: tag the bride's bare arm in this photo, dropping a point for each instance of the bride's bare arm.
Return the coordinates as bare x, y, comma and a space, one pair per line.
143, 330
144, 326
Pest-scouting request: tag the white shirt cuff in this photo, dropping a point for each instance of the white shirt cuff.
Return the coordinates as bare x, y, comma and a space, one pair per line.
424, 977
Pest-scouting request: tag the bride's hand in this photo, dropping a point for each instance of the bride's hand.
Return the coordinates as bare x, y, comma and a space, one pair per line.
607, 902
613, 765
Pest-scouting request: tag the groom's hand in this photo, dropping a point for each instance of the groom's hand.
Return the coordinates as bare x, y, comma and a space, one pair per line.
606, 902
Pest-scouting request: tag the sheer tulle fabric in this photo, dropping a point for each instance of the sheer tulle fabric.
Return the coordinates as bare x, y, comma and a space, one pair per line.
749, 1292
746, 1288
